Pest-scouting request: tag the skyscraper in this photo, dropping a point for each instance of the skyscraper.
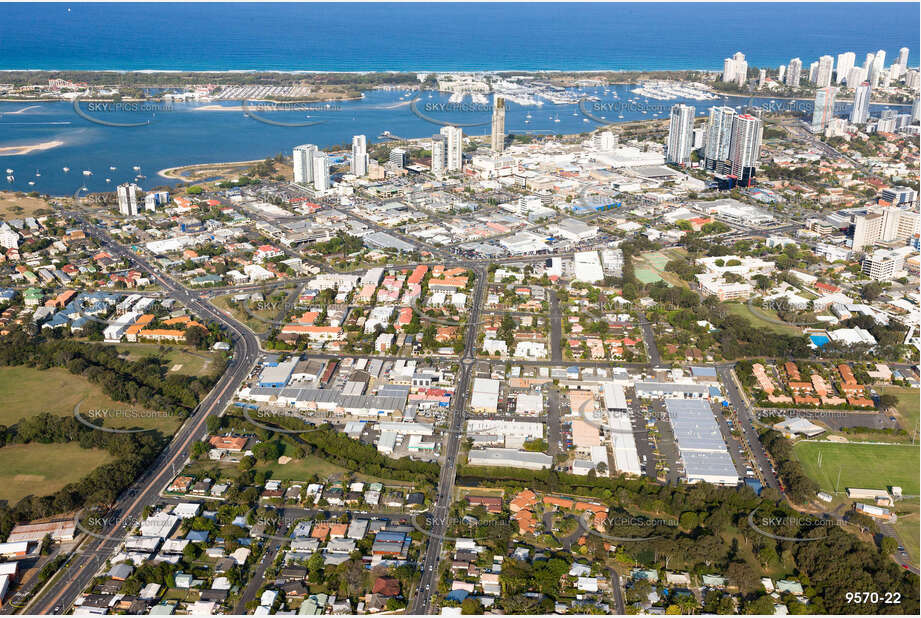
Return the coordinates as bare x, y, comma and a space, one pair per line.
745, 148
399, 157
680, 135
439, 154
824, 72
903, 57
781, 72
856, 76
814, 71
824, 108
303, 163
719, 138
359, 164
498, 124
128, 199
860, 112
916, 110
845, 64
455, 147
729, 70
877, 67
320, 171
762, 76
793, 73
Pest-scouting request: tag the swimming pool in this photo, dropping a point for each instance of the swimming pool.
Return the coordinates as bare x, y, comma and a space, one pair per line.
819, 340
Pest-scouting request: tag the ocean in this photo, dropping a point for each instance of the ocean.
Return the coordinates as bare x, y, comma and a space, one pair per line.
433, 36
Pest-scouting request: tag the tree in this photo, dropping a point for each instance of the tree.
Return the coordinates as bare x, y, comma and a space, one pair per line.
871, 291
888, 545
471, 607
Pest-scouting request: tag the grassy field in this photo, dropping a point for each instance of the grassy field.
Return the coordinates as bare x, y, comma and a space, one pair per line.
871, 466
12, 207
178, 359
756, 315
28, 392
257, 321
42, 469
908, 406
908, 528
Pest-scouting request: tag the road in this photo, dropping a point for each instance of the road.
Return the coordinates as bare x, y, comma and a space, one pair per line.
421, 603
649, 340
146, 490
747, 424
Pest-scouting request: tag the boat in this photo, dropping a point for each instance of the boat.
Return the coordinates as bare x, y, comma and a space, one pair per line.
87, 173
108, 180
9, 171
37, 173
621, 116
10, 179
31, 183
113, 168
137, 168
66, 169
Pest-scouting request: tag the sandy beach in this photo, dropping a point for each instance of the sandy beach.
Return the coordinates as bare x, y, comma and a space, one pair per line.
12, 151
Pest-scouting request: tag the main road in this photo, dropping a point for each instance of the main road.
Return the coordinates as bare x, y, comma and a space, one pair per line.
77, 575
421, 603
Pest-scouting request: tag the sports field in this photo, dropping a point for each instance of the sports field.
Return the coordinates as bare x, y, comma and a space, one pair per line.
869, 466
42, 469
28, 392
908, 406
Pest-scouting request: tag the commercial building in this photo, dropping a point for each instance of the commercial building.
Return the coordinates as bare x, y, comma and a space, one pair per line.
509, 458
497, 141
587, 267
844, 66
745, 149
454, 147
485, 397
303, 163
885, 265
128, 199
680, 134
650, 390
359, 163
823, 109
320, 171
794, 69
884, 224
860, 111
700, 443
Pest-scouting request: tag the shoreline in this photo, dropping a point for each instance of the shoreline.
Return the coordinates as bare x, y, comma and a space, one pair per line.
169, 172
16, 151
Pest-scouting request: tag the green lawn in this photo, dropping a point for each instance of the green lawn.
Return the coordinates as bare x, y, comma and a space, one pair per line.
908, 528
870, 466
257, 321
42, 469
302, 469
756, 315
179, 359
908, 406
28, 391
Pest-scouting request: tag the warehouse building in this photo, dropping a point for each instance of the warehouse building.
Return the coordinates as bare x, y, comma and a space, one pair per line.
700, 443
485, 395
651, 390
509, 458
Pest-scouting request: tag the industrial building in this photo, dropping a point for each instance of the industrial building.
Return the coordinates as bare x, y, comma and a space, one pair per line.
700, 443
509, 458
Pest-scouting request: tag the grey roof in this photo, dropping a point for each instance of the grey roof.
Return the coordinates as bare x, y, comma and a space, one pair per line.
671, 387
697, 433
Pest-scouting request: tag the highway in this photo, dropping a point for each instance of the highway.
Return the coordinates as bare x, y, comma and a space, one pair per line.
421, 603
146, 490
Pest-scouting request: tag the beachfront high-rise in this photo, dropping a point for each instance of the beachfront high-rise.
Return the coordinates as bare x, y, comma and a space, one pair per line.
680, 135
794, 69
823, 109
128, 199
845, 64
497, 141
719, 138
359, 164
876, 68
860, 112
746, 148
455, 147
321, 171
303, 163
902, 60
439, 154
824, 71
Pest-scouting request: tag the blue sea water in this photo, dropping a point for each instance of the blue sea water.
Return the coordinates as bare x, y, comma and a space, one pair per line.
437, 36
190, 133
